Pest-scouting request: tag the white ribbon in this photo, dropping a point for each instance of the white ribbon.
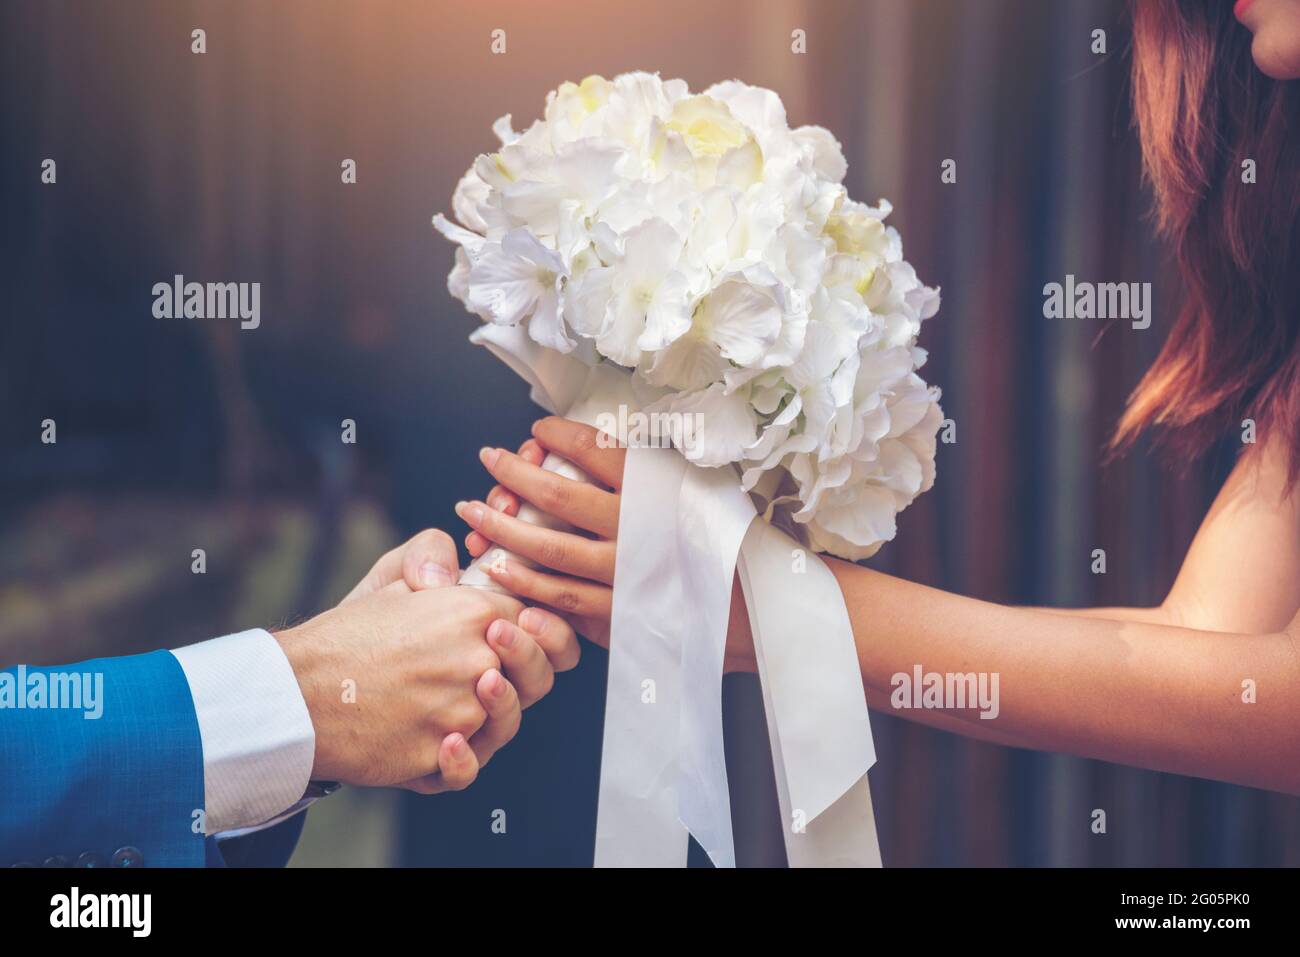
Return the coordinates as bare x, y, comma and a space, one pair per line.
680, 529
684, 532
812, 695
637, 818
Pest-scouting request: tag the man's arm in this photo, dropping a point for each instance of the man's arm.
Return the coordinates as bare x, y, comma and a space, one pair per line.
393, 687
101, 764
258, 738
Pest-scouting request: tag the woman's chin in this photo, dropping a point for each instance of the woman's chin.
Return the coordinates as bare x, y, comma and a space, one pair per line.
1276, 57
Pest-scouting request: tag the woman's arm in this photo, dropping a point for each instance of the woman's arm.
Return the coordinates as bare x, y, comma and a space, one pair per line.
1242, 572
1155, 696
1148, 693
1161, 687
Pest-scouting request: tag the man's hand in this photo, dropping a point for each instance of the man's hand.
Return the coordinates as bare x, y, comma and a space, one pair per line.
439, 681
428, 560
389, 675
541, 643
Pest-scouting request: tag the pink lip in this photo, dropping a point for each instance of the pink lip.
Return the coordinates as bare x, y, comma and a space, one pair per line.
1240, 7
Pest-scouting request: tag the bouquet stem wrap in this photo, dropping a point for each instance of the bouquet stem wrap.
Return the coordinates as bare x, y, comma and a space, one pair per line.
685, 532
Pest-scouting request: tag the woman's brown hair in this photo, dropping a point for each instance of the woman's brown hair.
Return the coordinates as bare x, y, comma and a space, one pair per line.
1203, 108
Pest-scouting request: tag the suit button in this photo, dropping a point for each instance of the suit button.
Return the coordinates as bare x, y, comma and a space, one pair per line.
89, 859
58, 860
127, 857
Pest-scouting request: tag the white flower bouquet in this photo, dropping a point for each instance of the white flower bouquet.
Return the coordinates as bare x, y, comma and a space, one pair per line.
711, 251
692, 256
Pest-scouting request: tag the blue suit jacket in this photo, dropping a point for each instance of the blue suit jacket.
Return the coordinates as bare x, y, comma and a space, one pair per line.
121, 789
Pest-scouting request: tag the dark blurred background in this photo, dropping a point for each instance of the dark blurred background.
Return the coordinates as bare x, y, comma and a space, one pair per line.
184, 434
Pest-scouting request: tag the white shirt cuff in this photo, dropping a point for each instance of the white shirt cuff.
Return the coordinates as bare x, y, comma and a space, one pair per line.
258, 741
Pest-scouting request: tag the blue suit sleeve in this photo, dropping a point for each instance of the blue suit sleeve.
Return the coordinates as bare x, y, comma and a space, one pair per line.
117, 779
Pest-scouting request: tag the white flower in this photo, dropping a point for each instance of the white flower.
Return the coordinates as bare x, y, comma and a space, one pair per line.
582, 172
740, 322
704, 246
574, 110
517, 279
727, 424
470, 196
824, 151
642, 302
858, 516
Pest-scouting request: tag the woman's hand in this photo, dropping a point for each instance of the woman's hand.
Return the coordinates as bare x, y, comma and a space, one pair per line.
580, 568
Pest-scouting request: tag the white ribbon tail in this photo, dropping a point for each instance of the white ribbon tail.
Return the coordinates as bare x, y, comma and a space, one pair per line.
816, 709
712, 516
637, 821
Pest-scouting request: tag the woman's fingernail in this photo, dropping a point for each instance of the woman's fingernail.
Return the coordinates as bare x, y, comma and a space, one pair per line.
459, 746
505, 635
471, 512
488, 456
497, 687
435, 576
494, 630
530, 620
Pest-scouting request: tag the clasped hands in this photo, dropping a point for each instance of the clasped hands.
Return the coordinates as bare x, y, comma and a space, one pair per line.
414, 682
